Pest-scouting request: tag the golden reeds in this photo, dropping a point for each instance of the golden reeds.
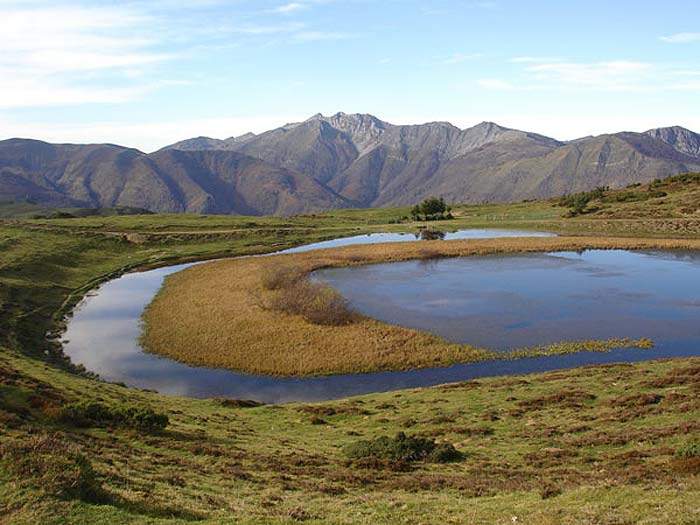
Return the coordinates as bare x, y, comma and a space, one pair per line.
214, 314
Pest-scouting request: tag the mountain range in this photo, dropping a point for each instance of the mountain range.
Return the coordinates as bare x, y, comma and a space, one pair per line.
340, 161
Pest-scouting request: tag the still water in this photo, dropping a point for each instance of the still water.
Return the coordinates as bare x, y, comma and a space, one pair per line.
520, 300
103, 333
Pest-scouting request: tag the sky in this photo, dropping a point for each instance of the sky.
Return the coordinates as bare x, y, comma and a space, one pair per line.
145, 74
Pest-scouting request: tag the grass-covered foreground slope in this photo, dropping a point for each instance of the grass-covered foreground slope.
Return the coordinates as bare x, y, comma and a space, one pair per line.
222, 315
609, 444
615, 444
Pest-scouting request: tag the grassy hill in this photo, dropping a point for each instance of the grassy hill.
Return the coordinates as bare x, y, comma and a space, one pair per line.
607, 444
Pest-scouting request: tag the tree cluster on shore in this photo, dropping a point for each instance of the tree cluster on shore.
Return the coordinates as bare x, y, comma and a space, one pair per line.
431, 209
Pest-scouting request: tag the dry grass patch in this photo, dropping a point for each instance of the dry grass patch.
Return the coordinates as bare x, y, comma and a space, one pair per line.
261, 315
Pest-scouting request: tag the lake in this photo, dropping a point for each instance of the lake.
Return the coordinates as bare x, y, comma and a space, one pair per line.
104, 330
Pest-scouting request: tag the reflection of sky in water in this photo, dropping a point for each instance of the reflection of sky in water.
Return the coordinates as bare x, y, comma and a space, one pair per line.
376, 238
511, 301
103, 334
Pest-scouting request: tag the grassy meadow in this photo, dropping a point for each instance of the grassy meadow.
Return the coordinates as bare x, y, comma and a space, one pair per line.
597, 445
615, 444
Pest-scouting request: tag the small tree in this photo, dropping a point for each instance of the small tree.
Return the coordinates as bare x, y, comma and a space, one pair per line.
415, 213
578, 205
431, 209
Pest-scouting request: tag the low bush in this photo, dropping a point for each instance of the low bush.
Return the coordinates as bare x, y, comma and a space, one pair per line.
445, 453
578, 202
142, 418
402, 448
93, 413
53, 465
550, 490
237, 403
688, 451
316, 302
634, 196
275, 277
684, 178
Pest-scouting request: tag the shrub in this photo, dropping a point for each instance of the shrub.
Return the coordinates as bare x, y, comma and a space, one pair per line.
318, 303
277, 277
689, 451
93, 413
550, 491
578, 202
402, 448
86, 414
444, 453
141, 418
238, 403
53, 465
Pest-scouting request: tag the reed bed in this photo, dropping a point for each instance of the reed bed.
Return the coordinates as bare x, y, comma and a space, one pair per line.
216, 314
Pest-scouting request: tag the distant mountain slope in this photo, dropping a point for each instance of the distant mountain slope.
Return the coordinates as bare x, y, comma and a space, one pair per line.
169, 181
373, 163
339, 161
497, 173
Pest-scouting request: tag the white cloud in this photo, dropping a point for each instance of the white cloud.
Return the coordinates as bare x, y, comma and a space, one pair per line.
445, 9
691, 85
539, 74
26, 92
47, 51
256, 30
681, 38
495, 84
288, 8
458, 58
483, 5
619, 75
526, 59
314, 36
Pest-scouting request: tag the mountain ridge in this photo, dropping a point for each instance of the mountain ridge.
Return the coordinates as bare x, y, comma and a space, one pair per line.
341, 160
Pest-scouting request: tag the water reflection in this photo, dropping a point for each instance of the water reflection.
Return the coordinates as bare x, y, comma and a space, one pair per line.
428, 234
513, 301
376, 238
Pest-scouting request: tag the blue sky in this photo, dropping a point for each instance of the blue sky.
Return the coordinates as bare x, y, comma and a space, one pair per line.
145, 74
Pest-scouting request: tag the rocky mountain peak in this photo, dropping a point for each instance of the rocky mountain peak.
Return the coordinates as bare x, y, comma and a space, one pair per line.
679, 138
364, 130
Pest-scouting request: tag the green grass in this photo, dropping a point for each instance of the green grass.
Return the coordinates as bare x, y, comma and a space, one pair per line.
574, 432
593, 445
